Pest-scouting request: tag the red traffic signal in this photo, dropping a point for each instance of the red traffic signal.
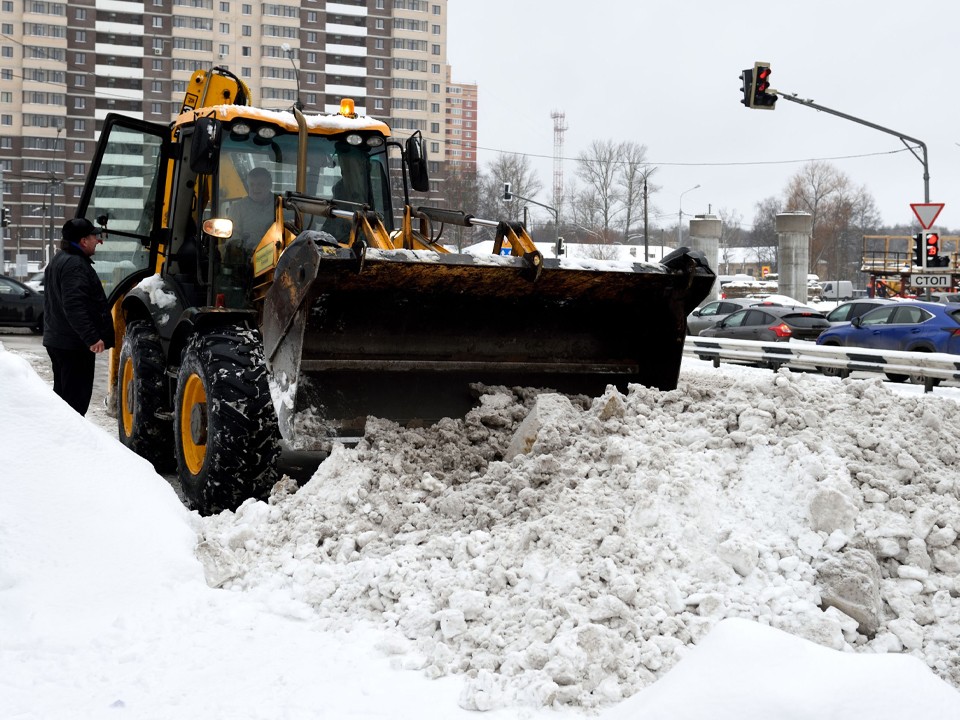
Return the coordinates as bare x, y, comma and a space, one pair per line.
932, 244
762, 97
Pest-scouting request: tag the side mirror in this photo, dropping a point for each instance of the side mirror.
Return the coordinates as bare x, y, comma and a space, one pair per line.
417, 162
205, 146
856, 321
696, 313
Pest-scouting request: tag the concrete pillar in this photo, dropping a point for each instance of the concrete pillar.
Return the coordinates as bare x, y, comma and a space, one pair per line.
794, 230
705, 237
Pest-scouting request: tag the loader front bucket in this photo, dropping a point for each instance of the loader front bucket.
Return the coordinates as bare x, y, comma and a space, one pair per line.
403, 334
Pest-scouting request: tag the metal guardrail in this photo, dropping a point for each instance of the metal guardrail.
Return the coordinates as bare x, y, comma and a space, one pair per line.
803, 355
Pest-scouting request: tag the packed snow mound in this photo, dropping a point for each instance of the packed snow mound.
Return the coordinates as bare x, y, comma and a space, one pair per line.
616, 532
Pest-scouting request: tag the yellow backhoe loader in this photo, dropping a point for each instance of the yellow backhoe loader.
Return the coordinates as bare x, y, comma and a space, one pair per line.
232, 349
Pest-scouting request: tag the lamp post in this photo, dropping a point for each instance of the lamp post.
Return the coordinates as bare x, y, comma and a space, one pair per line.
680, 216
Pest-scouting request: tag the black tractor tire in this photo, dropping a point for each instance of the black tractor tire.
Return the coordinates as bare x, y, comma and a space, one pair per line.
142, 397
225, 425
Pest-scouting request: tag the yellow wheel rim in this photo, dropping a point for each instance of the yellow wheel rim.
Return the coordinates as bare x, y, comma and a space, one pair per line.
193, 424
126, 397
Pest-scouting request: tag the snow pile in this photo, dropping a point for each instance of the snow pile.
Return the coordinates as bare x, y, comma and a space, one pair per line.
570, 554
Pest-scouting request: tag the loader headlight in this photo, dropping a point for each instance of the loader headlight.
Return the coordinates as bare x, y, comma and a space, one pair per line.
374, 141
218, 227
354, 139
240, 129
267, 133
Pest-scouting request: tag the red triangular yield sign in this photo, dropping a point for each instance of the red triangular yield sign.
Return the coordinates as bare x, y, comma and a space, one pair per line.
926, 213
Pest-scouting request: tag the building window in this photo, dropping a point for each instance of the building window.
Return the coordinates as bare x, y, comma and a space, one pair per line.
378, 84
157, 65
246, 31
245, 51
248, 9
78, 169
157, 21
79, 125
434, 127
156, 86
156, 108
81, 36
224, 50
311, 16
436, 9
245, 72
434, 107
311, 78
224, 28
79, 103
379, 5
435, 49
312, 38
378, 104
378, 24
435, 29
80, 58
224, 7
6, 119
435, 69
81, 14
79, 146
434, 147
6, 51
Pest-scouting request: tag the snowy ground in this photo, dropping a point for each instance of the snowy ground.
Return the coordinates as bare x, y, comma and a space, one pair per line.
753, 544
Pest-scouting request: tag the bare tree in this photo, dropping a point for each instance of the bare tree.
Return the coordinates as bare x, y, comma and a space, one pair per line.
633, 176
598, 169
461, 192
507, 168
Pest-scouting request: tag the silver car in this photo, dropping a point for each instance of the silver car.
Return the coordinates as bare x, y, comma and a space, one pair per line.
715, 311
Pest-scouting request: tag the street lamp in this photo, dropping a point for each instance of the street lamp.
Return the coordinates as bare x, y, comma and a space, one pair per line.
680, 216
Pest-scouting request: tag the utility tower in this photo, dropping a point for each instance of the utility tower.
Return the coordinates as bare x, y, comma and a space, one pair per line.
559, 127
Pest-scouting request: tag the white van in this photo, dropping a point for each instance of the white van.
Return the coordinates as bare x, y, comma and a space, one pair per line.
837, 289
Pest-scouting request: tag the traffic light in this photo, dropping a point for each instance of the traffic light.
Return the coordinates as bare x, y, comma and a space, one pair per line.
5, 221
762, 97
507, 195
919, 253
931, 245
747, 78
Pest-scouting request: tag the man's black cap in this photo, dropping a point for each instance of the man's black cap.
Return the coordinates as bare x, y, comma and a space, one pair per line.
78, 228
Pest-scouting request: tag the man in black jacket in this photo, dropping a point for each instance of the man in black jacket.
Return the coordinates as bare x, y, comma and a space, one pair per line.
76, 319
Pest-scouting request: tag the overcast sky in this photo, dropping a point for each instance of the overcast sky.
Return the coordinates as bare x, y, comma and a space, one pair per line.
666, 75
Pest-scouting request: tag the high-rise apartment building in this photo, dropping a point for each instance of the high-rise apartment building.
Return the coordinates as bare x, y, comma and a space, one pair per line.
65, 66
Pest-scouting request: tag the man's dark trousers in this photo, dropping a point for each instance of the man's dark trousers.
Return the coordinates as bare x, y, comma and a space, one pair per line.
73, 376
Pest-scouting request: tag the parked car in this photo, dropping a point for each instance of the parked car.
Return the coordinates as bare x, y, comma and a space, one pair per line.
945, 297
715, 311
771, 323
910, 325
35, 282
20, 306
847, 311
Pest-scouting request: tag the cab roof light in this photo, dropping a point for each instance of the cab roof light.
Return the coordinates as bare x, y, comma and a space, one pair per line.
347, 108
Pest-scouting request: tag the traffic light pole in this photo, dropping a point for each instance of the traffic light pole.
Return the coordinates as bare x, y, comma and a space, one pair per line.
903, 138
556, 215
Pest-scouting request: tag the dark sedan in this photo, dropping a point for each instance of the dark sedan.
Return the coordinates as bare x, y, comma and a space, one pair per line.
771, 323
908, 326
19, 305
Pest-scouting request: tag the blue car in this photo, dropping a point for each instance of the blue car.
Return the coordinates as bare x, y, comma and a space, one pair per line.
908, 326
